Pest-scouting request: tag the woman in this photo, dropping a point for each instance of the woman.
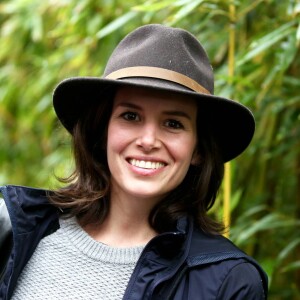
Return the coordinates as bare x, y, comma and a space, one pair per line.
149, 141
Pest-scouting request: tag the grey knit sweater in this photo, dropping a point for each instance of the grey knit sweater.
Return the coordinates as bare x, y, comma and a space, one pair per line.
69, 264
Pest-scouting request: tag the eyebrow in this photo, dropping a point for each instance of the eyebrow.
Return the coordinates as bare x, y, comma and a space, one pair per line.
129, 105
177, 113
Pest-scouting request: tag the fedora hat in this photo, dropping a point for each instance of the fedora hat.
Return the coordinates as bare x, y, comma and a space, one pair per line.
167, 59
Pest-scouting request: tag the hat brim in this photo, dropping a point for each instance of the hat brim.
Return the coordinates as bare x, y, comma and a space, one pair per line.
232, 123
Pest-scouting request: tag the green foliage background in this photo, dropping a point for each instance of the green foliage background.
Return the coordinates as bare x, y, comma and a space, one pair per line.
43, 42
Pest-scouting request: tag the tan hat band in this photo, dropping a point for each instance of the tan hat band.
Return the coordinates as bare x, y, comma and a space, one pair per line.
159, 73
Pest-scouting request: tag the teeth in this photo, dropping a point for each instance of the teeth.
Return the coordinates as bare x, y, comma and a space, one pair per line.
146, 164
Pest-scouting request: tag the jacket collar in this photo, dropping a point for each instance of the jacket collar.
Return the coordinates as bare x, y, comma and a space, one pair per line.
27, 207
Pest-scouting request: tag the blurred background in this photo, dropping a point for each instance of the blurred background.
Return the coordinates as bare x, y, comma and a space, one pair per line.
254, 47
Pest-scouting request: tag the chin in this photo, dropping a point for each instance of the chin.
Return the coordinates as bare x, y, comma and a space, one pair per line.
147, 194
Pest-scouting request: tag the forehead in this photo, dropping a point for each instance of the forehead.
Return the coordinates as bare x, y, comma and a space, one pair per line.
154, 98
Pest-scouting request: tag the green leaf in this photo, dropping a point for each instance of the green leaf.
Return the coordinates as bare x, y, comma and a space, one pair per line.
291, 267
298, 33
288, 249
184, 11
268, 222
267, 41
153, 6
116, 24
37, 28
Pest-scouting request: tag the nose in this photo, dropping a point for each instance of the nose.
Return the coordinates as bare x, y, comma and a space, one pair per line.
148, 138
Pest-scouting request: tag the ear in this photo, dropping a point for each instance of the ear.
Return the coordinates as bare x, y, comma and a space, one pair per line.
196, 159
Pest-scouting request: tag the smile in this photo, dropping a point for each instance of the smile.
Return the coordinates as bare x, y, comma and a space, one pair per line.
146, 164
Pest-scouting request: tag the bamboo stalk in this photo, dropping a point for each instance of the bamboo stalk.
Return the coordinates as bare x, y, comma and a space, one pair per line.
227, 172
227, 193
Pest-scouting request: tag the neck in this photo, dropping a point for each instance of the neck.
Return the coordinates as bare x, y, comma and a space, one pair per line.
126, 224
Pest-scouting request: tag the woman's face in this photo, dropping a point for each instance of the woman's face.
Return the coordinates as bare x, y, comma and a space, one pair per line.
151, 141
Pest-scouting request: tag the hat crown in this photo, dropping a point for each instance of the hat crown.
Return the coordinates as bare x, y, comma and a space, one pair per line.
166, 48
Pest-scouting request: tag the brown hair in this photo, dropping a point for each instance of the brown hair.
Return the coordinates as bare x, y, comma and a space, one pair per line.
87, 193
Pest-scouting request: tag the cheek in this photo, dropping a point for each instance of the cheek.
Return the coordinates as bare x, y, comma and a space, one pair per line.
115, 145
116, 139
183, 149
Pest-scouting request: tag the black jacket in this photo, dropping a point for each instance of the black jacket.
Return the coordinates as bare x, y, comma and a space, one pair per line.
184, 264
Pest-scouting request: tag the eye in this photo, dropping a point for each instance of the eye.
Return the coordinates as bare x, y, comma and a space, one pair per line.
130, 116
174, 124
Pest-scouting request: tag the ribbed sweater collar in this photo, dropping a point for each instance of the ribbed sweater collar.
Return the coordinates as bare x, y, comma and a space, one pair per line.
94, 249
